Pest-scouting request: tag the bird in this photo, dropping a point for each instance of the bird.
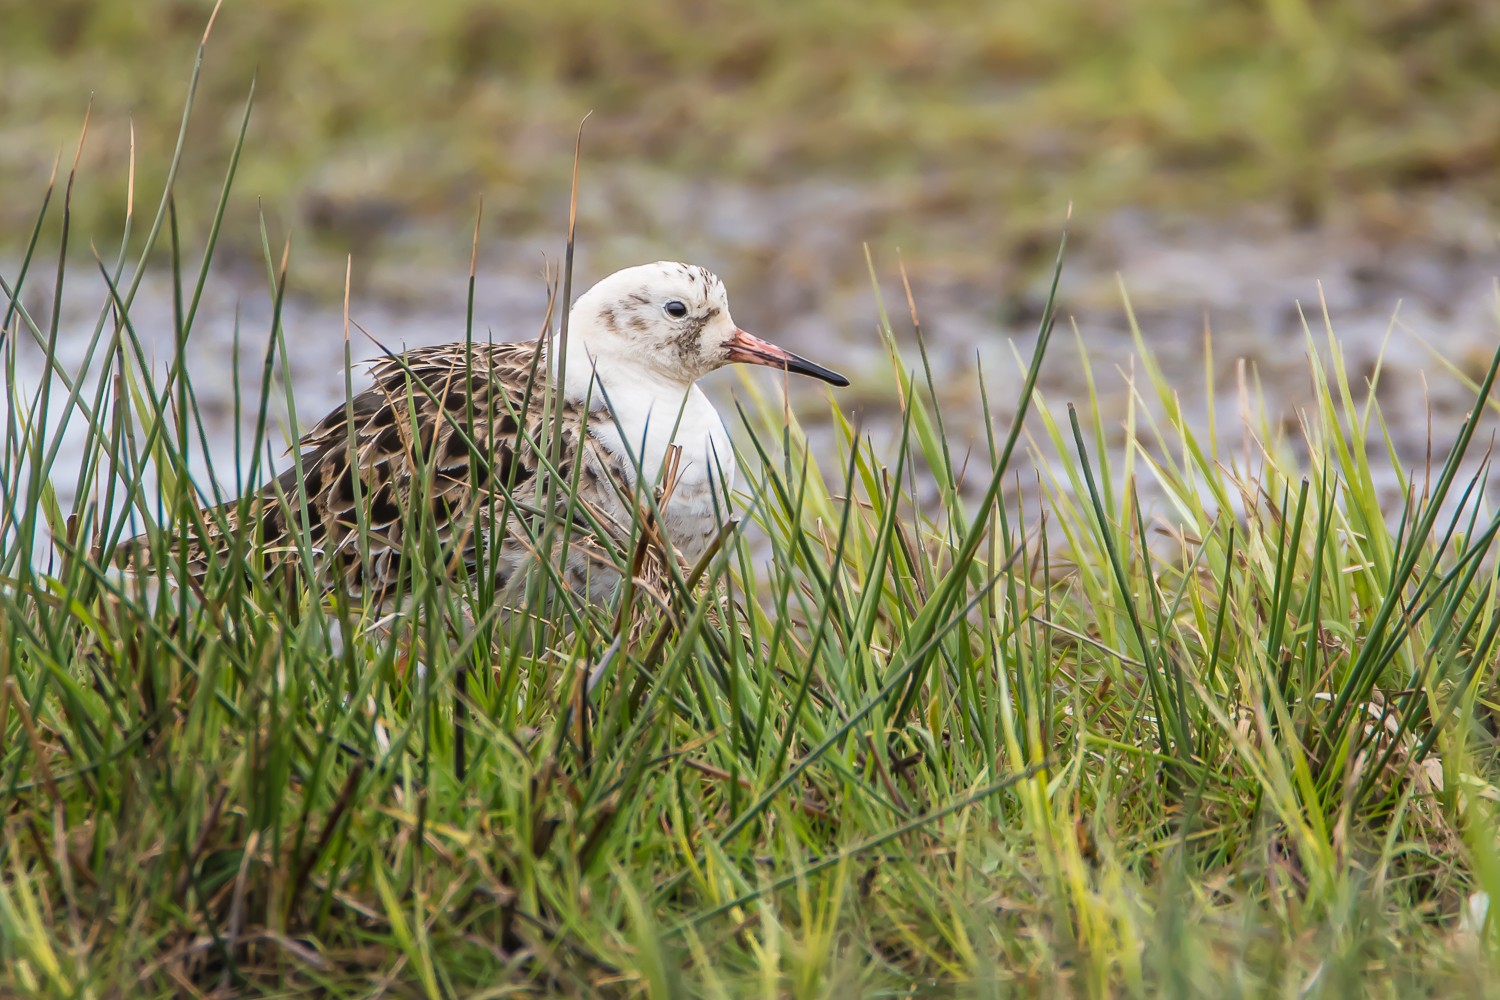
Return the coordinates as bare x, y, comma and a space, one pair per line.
462, 433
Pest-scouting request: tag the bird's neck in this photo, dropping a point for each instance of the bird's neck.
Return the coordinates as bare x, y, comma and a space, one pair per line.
647, 413
602, 376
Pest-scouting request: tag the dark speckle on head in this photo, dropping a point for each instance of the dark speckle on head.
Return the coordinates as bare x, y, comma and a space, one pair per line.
688, 339
658, 317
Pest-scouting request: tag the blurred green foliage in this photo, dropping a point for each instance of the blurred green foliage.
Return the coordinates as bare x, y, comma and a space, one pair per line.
406, 108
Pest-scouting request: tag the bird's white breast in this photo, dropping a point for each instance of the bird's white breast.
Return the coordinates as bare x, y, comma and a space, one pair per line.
646, 420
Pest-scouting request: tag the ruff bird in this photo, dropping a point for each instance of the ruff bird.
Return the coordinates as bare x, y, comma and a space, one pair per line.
468, 432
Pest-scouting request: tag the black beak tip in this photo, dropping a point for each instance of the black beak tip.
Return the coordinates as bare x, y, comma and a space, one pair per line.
802, 366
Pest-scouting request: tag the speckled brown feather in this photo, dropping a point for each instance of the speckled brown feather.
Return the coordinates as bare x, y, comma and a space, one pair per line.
431, 412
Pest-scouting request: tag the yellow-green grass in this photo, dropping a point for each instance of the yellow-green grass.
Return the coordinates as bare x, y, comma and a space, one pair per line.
1010, 108
991, 745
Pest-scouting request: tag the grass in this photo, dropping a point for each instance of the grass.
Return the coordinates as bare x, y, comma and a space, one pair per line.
377, 110
1028, 739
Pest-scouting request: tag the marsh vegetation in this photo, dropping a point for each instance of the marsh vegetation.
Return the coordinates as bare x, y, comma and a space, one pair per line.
920, 725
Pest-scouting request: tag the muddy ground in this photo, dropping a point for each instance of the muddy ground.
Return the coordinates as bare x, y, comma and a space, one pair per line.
794, 262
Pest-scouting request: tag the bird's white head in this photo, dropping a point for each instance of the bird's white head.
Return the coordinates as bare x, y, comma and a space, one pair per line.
669, 322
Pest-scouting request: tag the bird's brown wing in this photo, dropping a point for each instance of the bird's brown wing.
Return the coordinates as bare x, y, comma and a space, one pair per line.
441, 423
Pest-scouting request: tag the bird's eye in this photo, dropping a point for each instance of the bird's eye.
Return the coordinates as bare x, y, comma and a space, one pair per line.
675, 309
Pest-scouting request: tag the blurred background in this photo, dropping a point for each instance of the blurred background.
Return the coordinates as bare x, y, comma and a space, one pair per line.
1226, 161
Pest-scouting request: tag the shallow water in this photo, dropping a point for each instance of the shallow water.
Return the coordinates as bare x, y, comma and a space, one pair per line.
796, 272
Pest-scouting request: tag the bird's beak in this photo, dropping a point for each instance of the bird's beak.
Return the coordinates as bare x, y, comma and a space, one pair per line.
747, 349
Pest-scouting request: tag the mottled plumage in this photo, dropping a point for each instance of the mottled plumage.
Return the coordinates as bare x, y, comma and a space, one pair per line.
469, 418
